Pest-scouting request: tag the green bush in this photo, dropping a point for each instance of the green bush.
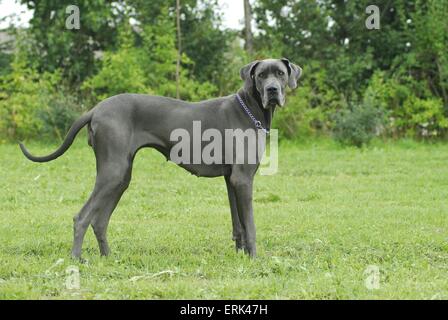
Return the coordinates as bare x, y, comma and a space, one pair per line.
425, 117
23, 92
357, 125
150, 68
411, 111
121, 72
59, 113
34, 105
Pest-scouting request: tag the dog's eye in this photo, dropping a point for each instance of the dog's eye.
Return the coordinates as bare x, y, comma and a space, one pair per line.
261, 75
280, 73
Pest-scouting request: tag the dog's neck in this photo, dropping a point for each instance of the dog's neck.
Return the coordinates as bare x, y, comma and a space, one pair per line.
252, 99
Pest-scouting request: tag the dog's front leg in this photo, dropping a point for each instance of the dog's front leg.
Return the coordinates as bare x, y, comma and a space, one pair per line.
238, 234
242, 186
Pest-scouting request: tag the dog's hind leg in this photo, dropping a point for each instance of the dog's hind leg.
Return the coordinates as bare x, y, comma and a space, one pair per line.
112, 180
114, 166
107, 201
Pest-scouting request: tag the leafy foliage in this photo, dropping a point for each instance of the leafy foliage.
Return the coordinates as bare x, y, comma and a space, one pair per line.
121, 70
34, 104
70, 51
401, 70
357, 125
150, 68
30, 106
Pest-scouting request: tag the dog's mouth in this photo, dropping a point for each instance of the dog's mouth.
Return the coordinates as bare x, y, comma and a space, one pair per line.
272, 100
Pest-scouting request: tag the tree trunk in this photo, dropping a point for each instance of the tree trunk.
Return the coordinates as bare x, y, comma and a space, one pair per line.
248, 27
179, 49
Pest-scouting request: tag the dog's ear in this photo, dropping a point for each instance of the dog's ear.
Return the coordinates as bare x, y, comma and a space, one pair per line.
294, 73
247, 72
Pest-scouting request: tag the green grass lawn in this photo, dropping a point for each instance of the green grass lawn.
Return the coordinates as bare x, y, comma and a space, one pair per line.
322, 220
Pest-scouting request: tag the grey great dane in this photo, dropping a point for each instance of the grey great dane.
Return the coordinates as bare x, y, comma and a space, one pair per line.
121, 125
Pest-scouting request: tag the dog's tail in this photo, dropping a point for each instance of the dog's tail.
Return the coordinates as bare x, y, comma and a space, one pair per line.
77, 125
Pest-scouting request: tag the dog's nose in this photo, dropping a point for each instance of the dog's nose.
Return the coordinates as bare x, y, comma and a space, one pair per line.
272, 90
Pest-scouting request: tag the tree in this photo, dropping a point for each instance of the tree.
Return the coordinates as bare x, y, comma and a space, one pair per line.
121, 70
71, 51
203, 38
179, 49
148, 68
31, 103
428, 34
248, 27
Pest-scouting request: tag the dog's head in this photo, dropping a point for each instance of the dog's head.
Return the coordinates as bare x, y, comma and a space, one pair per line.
269, 78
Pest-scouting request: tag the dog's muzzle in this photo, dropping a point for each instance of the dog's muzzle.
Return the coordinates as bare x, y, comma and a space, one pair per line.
273, 96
